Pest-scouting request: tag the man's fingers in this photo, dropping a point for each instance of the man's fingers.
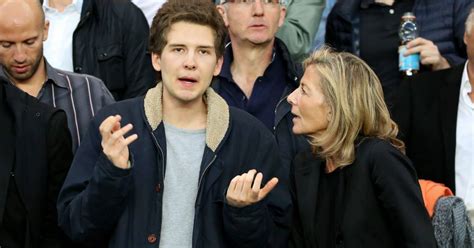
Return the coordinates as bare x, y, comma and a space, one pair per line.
240, 184
267, 188
106, 126
115, 127
130, 139
121, 132
257, 183
417, 42
232, 185
414, 50
248, 180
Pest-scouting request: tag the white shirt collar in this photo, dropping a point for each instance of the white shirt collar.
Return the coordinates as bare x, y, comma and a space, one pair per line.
465, 88
76, 4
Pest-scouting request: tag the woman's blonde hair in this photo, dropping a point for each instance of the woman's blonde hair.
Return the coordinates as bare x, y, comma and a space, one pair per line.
354, 96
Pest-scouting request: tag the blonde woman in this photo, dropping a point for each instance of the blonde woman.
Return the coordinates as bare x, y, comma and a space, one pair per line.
356, 188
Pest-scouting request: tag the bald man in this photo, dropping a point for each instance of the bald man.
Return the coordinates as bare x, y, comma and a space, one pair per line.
22, 31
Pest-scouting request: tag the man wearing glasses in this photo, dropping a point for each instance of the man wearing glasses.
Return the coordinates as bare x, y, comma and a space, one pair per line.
258, 74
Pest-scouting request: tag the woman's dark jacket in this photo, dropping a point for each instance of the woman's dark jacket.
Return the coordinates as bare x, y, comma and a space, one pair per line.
382, 202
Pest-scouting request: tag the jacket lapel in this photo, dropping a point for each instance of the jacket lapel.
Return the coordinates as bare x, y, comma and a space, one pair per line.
449, 99
307, 174
7, 148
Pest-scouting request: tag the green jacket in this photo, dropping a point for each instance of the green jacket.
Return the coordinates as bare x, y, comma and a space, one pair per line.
300, 26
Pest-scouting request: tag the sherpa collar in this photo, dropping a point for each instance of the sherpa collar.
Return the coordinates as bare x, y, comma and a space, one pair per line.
218, 117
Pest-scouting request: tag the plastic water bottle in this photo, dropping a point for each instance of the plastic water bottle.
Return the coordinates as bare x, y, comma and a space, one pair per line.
410, 64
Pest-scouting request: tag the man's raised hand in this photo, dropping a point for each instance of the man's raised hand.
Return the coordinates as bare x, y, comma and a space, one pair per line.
114, 144
244, 190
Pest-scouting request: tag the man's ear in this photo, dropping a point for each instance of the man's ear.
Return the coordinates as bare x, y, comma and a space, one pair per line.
282, 16
465, 37
218, 67
45, 30
156, 61
223, 11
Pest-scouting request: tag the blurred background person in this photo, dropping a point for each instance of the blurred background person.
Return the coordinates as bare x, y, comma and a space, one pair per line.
319, 38
104, 38
369, 29
356, 188
435, 112
299, 28
149, 8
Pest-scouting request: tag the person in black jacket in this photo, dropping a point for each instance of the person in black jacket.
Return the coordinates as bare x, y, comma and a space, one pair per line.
435, 112
356, 188
369, 29
104, 38
35, 155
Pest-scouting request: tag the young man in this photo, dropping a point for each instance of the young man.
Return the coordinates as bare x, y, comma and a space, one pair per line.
195, 173
104, 38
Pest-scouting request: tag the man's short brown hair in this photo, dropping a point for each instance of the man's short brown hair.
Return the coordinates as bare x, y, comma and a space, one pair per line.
202, 12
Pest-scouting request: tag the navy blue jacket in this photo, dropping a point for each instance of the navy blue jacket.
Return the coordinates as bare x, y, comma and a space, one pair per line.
441, 21
109, 207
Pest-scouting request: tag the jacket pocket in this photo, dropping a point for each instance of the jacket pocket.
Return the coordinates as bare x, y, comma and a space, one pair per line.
111, 66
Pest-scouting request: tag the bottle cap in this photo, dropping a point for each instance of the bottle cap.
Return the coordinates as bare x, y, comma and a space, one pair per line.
408, 15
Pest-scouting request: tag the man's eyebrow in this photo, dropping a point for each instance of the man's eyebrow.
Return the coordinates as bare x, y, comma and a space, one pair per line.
199, 46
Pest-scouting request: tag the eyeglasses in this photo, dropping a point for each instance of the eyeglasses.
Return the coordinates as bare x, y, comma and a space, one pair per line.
253, 1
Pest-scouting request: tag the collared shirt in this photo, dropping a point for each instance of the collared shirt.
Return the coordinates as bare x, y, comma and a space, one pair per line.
58, 46
81, 96
464, 156
149, 8
266, 93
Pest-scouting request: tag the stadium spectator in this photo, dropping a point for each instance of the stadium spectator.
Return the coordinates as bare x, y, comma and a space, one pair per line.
369, 29
435, 112
22, 31
103, 38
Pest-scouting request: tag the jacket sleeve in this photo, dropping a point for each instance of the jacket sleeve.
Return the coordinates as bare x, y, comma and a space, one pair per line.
140, 75
397, 189
461, 10
296, 233
59, 155
106, 97
300, 26
266, 223
94, 192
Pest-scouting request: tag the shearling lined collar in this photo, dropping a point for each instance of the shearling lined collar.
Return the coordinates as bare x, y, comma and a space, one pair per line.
218, 117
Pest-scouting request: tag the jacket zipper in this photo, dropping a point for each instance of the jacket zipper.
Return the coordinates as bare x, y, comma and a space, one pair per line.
162, 157
205, 170
276, 108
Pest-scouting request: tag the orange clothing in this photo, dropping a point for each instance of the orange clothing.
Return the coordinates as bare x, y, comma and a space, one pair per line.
431, 192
